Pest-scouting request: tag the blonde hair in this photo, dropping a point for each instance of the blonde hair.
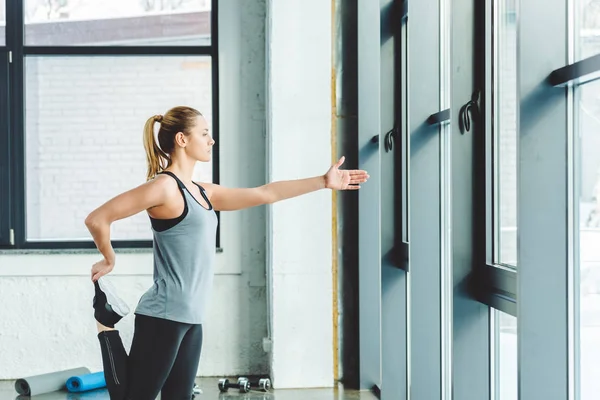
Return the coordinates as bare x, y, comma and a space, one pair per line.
158, 155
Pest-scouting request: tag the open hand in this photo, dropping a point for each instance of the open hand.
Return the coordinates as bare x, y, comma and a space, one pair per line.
343, 179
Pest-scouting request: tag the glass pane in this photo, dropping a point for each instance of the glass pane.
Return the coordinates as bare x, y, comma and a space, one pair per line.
506, 131
117, 22
506, 383
587, 182
588, 123
588, 22
2, 22
84, 122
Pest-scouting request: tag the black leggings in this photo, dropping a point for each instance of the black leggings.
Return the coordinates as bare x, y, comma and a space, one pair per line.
164, 358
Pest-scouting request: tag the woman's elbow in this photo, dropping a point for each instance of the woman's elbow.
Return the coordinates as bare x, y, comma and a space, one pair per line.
90, 221
93, 221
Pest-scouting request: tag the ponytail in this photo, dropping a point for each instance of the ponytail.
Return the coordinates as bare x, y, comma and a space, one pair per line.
158, 152
156, 159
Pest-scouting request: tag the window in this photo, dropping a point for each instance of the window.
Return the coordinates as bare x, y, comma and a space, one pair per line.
587, 196
505, 131
506, 372
587, 37
117, 22
85, 80
2, 23
504, 150
85, 115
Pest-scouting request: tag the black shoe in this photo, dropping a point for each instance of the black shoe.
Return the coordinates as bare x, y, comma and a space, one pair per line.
108, 307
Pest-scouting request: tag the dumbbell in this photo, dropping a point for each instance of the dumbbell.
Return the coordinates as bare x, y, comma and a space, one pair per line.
263, 384
196, 389
242, 384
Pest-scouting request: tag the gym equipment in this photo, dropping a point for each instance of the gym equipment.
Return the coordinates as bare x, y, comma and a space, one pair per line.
46, 383
263, 384
196, 389
243, 385
98, 394
83, 383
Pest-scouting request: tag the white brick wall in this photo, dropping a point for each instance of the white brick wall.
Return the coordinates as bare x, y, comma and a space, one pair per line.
84, 124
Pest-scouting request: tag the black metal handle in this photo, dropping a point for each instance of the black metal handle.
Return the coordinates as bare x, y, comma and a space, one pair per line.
580, 72
402, 255
439, 117
376, 391
388, 140
469, 111
398, 256
404, 10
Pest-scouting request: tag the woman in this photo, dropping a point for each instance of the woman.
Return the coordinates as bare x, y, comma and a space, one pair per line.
166, 345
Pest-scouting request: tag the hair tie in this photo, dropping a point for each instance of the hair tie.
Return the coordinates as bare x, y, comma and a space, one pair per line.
158, 118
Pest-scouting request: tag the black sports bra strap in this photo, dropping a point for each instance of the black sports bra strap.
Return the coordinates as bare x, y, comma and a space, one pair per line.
203, 193
179, 183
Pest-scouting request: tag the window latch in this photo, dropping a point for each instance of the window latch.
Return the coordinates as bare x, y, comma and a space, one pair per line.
388, 140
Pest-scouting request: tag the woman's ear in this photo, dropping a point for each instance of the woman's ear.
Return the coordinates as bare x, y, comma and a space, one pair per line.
180, 139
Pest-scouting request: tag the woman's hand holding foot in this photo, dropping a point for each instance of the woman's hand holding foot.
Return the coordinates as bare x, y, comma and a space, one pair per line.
102, 268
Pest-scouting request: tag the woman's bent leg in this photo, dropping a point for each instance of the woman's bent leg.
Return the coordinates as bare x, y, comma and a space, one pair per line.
180, 382
109, 309
114, 360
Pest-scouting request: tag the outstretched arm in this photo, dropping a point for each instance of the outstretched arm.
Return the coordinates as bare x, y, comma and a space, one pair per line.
229, 199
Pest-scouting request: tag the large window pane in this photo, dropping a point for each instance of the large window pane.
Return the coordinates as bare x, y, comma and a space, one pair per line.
506, 380
2, 22
587, 130
588, 32
117, 22
588, 124
505, 131
84, 122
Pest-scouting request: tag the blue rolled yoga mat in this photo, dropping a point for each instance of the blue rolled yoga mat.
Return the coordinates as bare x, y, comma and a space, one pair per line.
83, 383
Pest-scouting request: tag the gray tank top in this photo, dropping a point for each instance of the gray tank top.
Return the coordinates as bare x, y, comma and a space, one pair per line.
184, 256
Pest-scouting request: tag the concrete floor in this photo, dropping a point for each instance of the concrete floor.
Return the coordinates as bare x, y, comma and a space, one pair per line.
210, 391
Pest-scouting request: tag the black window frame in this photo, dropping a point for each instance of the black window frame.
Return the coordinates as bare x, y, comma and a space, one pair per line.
12, 123
498, 283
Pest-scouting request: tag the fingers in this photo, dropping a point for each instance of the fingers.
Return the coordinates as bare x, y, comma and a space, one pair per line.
356, 180
98, 275
340, 162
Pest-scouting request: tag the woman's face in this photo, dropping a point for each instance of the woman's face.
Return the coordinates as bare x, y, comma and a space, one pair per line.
199, 143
